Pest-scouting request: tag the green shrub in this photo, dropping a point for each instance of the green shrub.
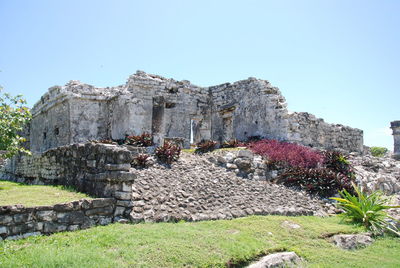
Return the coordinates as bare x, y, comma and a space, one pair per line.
378, 151
367, 210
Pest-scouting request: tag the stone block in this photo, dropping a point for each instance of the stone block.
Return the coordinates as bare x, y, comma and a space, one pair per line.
64, 207
74, 217
125, 203
102, 202
126, 187
86, 204
100, 211
51, 227
3, 230
118, 167
49, 215
21, 218
281, 259
105, 220
74, 227
22, 228
246, 154
123, 195
119, 211
5, 220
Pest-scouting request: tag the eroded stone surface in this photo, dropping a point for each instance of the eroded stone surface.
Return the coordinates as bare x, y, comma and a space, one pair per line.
281, 259
377, 173
196, 189
352, 241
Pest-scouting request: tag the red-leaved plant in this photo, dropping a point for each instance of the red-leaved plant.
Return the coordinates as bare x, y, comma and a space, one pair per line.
140, 161
168, 152
286, 154
143, 140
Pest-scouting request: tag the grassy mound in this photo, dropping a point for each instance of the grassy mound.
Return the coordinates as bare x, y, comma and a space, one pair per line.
12, 193
198, 244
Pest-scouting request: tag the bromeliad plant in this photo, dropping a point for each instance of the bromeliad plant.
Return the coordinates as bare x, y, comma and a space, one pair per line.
143, 140
141, 160
168, 153
367, 210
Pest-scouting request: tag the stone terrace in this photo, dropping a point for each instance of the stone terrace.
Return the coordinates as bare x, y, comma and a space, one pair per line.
197, 189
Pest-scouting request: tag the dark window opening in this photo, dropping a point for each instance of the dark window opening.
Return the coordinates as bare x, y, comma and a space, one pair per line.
56, 131
170, 105
256, 122
44, 135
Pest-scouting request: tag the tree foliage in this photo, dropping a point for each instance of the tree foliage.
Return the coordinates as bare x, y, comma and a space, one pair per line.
14, 115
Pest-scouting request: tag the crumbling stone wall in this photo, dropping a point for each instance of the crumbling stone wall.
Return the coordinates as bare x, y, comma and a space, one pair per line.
246, 108
18, 221
395, 125
100, 170
306, 129
170, 109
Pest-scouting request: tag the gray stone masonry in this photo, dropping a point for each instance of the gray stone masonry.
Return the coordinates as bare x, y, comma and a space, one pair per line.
100, 170
170, 109
18, 221
395, 125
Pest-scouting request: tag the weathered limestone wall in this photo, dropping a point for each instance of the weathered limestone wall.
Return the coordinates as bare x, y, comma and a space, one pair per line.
248, 108
19, 222
171, 109
395, 125
306, 129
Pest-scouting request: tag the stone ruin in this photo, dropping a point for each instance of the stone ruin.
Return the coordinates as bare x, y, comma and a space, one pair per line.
68, 118
395, 125
180, 111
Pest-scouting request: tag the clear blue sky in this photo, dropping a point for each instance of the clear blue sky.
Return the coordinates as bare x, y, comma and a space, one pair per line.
339, 60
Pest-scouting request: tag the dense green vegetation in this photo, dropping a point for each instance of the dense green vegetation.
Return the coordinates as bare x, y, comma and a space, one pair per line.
368, 210
198, 244
378, 151
12, 193
14, 115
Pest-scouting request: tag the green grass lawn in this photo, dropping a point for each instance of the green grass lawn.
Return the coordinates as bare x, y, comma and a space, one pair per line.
12, 193
198, 244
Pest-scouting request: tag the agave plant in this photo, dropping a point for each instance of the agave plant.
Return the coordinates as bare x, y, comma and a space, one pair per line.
367, 210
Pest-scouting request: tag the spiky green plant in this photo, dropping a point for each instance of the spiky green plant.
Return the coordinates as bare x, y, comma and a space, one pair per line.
368, 210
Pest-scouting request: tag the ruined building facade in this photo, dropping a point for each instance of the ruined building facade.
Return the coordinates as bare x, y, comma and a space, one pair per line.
178, 110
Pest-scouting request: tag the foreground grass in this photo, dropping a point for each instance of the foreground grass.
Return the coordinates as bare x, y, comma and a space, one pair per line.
12, 193
199, 244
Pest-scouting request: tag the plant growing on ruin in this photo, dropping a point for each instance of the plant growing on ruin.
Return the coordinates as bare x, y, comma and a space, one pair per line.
230, 144
378, 151
320, 181
286, 154
337, 162
141, 160
14, 115
367, 210
143, 140
205, 146
168, 152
